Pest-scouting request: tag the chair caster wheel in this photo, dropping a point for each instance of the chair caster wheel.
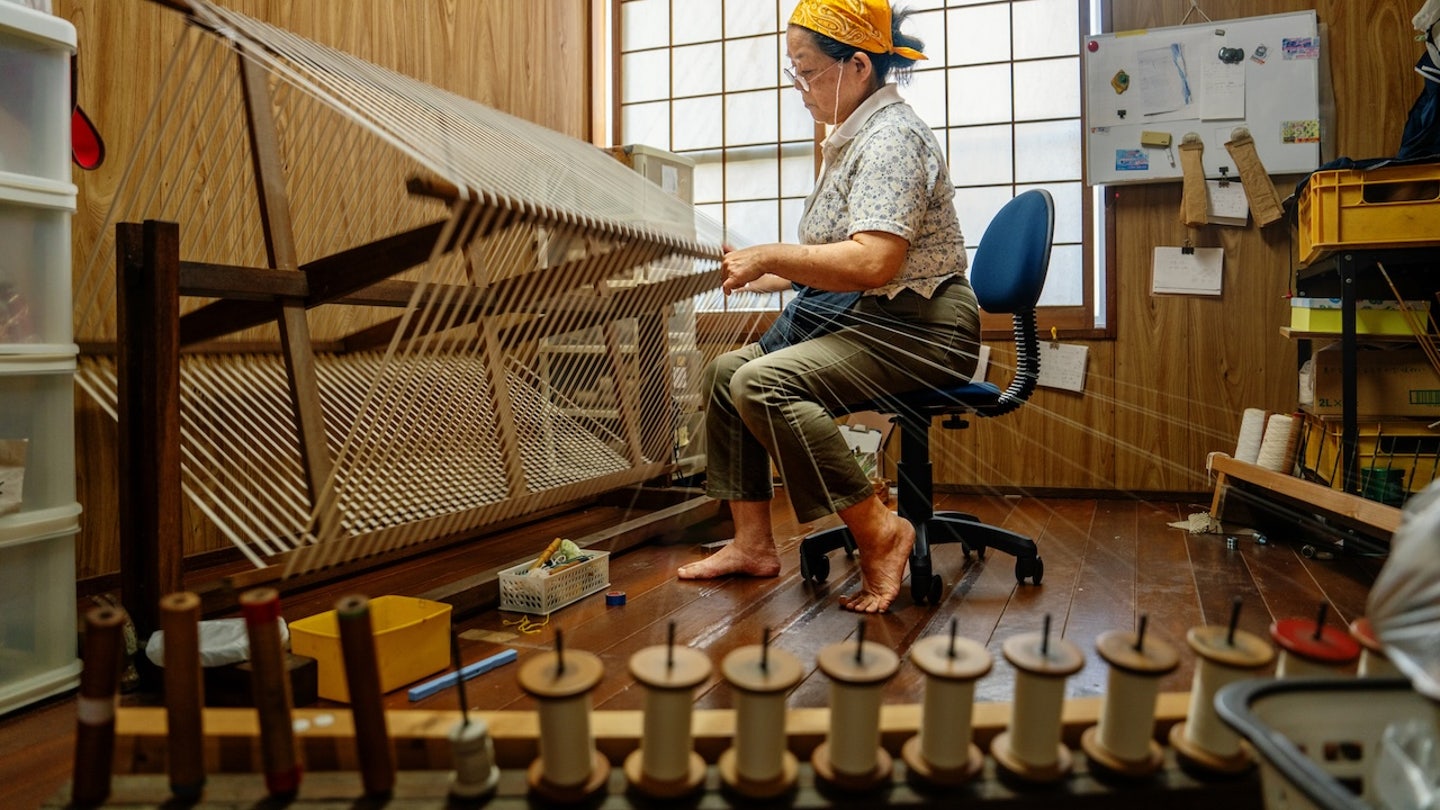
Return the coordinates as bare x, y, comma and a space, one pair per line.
1029, 567
937, 589
815, 570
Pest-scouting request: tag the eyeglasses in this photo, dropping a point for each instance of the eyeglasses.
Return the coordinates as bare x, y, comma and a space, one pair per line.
800, 81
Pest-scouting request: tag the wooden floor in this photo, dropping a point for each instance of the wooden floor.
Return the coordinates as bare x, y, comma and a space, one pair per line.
1107, 562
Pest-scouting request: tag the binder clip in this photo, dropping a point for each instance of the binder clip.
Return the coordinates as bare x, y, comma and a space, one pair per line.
1187, 249
1224, 176
1054, 338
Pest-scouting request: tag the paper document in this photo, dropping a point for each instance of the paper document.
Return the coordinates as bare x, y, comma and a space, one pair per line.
1227, 204
1196, 273
1062, 365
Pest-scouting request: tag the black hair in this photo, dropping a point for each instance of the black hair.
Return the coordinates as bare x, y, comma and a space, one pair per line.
885, 63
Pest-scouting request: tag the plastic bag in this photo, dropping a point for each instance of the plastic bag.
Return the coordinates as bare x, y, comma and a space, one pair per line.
1404, 603
222, 642
1406, 771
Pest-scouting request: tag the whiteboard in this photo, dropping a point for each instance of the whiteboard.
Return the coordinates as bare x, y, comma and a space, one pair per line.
1177, 80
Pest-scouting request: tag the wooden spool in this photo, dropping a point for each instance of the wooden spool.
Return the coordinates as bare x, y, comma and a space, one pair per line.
943, 753
851, 757
1123, 741
569, 768
1203, 741
1304, 653
1374, 663
666, 765
1030, 748
759, 765
184, 694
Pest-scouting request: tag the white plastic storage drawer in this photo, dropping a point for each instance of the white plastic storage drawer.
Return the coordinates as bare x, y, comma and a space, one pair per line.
35, 308
37, 407
37, 606
35, 51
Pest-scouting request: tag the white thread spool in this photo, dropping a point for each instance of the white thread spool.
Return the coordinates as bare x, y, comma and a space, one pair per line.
1124, 740
665, 766
1374, 663
1252, 430
1030, 748
943, 753
759, 765
1278, 443
851, 756
474, 753
1306, 653
569, 768
1203, 739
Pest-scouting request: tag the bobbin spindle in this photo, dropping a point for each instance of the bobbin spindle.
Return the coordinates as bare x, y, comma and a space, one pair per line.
665, 766
184, 694
759, 765
367, 708
1123, 742
569, 768
1374, 662
270, 689
851, 757
1313, 649
943, 753
102, 652
1223, 655
1030, 747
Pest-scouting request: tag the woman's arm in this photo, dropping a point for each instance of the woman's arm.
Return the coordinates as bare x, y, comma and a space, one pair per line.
865, 261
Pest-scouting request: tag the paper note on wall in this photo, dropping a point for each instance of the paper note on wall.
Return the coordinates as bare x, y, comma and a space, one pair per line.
1062, 365
1197, 272
1226, 203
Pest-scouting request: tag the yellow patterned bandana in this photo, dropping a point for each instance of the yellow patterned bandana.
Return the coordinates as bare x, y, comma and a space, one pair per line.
862, 23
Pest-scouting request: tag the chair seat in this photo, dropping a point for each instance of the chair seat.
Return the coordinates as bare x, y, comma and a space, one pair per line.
958, 398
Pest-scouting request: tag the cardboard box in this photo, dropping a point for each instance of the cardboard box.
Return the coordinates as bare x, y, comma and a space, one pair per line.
1372, 316
1388, 382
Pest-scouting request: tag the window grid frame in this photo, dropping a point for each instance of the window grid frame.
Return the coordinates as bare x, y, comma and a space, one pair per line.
1074, 320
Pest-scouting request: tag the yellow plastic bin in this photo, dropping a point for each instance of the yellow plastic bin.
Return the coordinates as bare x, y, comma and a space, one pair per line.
412, 640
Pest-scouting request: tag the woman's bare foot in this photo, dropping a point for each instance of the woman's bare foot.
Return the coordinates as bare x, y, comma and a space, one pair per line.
735, 560
882, 569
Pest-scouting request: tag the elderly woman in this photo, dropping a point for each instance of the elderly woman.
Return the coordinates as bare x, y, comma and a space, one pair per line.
883, 305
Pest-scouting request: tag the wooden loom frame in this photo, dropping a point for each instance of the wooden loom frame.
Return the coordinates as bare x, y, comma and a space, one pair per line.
151, 278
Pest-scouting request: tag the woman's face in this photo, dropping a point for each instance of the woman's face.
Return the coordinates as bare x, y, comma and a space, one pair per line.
819, 79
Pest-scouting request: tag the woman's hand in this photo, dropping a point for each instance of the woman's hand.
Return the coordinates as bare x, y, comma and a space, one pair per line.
742, 266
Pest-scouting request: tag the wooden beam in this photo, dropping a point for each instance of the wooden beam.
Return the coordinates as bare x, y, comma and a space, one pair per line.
148, 371
1370, 517
617, 732
280, 251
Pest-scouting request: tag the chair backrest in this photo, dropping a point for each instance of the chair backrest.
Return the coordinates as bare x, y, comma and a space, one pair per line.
1014, 254
1008, 275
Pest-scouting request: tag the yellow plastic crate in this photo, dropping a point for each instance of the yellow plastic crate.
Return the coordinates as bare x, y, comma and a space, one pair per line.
1388, 207
412, 640
1395, 457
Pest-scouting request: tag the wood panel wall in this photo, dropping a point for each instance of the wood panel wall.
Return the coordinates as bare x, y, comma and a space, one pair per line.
1172, 384
1167, 389
530, 58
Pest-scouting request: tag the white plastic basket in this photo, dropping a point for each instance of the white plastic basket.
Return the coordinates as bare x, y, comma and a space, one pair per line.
1318, 739
522, 592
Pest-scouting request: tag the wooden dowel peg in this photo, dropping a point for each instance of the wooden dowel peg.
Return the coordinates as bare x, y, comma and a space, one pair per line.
367, 708
184, 694
270, 687
101, 656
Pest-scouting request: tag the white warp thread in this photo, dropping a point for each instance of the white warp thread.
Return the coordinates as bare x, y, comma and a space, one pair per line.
1252, 430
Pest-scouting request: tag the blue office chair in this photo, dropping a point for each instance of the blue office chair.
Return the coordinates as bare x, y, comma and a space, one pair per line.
1008, 274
